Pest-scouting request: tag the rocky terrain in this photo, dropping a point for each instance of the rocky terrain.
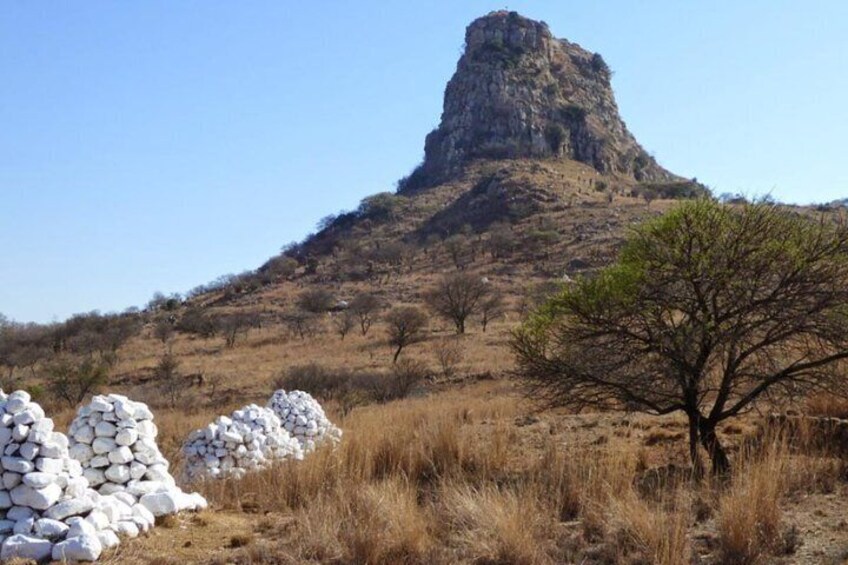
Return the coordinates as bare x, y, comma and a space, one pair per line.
518, 92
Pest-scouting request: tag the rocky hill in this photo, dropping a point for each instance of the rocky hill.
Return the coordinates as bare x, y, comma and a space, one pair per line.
518, 92
530, 137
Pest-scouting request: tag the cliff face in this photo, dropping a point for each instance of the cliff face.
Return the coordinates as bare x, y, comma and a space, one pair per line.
518, 92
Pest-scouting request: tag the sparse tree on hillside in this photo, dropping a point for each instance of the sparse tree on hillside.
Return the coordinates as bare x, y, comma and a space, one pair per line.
300, 323
164, 331
405, 326
491, 308
196, 321
449, 354
73, 381
648, 196
458, 296
708, 308
171, 382
343, 322
457, 246
235, 324
315, 300
157, 302
282, 266
501, 241
365, 307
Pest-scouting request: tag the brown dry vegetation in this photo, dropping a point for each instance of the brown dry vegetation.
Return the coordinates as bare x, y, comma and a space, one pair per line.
465, 476
466, 469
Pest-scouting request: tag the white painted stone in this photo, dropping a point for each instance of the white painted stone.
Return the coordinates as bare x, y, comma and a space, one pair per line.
16, 464
84, 435
101, 404
121, 455
78, 548
19, 513
50, 465
126, 436
127, 528
160, 503
94, 476
10, 481
108, 539
118, 473
51, 529
68, 508
24, 525
103, 445
17, 402
26, 547
38, 479
38, 499
105, 429
99, 461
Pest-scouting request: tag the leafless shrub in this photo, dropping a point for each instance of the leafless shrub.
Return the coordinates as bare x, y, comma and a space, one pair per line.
405, 326
365, 307
343, 322
172, 384
300, 323
458, 296
449, 353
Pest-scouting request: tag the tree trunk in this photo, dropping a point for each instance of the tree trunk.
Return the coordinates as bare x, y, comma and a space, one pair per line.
718, 456
697, 466
397, 353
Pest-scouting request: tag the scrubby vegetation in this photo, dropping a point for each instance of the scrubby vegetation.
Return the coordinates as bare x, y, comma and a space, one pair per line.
445, 459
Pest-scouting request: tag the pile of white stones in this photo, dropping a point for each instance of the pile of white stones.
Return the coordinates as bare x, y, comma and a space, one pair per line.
251, 438
114, 440
303, 417
48, 510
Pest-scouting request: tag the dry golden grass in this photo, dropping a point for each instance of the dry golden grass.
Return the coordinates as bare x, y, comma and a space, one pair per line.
415, 481
751, 510
828, 406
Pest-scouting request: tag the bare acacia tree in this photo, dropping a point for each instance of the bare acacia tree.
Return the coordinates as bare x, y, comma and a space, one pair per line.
164, 330
405, 326
72, 380
171, 382
300, 323
365, 306
491, 307
456, 297
456, 246
232, 325
708, 309
343, 322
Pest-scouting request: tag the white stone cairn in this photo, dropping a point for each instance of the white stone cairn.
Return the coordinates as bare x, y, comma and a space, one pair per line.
47, 508
251, 438
303, 417
114, 440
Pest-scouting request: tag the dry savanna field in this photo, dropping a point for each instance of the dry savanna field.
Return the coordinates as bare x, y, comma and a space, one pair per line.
445, 456
468, 469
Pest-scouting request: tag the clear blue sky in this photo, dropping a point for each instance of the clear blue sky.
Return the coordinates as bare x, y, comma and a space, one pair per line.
156, 145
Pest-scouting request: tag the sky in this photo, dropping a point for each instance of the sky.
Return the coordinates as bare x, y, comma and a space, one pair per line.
154, 146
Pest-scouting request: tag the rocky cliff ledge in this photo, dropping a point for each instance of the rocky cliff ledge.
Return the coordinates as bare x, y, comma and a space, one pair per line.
518, 92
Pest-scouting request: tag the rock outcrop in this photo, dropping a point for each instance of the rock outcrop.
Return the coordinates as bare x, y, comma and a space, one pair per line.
518, 92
